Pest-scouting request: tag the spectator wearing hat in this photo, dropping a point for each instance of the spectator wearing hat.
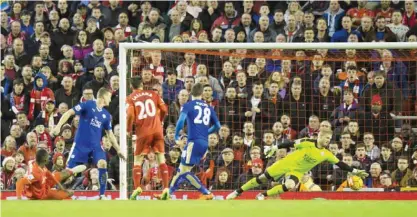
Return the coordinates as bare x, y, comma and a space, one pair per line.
256, 169
67, 135
39, 96
29, 148
378, 121
7, 171
227, 161
402, 174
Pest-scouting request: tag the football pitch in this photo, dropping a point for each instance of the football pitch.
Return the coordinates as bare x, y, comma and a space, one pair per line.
195, 208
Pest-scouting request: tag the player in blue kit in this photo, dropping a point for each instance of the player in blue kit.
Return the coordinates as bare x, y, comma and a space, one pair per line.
87, 143
200, 116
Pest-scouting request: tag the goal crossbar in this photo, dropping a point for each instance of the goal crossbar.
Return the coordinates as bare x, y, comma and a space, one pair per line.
124, 47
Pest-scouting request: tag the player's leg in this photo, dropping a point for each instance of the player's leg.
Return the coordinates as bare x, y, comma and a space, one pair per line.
270, 174
159, 149
58, 195
141, 149
290, 182
99, 158
192, 154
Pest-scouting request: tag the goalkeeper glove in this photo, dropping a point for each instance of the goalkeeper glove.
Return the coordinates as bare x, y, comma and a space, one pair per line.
361, 173
269, 151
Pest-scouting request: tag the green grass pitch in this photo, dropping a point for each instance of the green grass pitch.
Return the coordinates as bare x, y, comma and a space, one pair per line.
195, 208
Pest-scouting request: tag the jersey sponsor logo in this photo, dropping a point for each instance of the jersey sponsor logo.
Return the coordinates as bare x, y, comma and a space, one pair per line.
104, 116
77, 108
309, 159
95, 122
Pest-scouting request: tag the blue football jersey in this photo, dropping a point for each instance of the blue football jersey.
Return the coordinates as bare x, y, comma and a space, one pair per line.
92, 122
200, 116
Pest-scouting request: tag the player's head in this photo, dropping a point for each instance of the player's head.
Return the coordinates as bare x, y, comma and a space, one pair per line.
324, 137
105, 95
136, 82
42, 157
197, 90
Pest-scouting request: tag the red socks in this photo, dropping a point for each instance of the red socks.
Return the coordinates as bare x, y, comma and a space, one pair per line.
137, 176
164, 172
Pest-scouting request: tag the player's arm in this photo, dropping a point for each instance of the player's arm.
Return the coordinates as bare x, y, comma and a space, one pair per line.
163, 109
114, 143
286, 144
131, 114
20, 186
62, 121
216, 122
343, 166
180, 124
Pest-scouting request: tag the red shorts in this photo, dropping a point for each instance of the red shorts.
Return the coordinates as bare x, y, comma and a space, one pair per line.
146, 143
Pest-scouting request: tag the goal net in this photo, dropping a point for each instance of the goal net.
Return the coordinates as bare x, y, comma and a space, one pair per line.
268, 93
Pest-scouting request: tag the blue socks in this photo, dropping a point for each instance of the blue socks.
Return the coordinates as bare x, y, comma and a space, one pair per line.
102, 176
192, 179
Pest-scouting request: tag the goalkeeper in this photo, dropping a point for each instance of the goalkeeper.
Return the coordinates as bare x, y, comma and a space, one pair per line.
307, 155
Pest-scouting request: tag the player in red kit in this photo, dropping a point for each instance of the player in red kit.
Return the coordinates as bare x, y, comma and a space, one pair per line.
38, 183
146, 111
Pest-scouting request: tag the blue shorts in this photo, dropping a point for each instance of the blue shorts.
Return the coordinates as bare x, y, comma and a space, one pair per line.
193, 152
81, 154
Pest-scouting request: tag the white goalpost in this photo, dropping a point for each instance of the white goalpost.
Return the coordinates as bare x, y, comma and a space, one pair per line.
123, 66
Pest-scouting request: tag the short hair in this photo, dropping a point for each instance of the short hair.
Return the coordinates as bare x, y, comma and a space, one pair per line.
41, 154
386, 145
350, 67
102, 91
197, 90
347, 155
326, 132
268, 131
278, 11
255, 148
402, 158
379, 73
18, 81
136, 82
360, 145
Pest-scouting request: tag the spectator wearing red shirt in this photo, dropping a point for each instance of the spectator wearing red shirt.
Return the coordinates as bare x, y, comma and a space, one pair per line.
385, 10
229, 18
39, 96
9, 147
410, 17
359, 12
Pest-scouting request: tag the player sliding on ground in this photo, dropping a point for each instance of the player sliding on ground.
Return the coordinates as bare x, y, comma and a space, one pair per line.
38, 180
307, 155
146, 111
200, 116
93, 119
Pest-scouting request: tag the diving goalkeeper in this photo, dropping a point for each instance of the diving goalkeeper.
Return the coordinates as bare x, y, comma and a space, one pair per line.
307, 155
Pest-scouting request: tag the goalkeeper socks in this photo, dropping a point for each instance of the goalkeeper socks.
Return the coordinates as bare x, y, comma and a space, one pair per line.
137, 175
102, 175
253, 183
196, 182
164, 172
275, 190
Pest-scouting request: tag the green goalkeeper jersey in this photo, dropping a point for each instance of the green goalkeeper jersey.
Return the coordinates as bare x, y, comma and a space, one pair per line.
306, 156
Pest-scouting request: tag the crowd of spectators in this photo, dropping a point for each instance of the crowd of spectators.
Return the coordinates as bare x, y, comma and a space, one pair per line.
55, 54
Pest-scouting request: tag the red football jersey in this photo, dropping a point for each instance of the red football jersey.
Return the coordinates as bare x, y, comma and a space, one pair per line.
146, 110
37, 182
